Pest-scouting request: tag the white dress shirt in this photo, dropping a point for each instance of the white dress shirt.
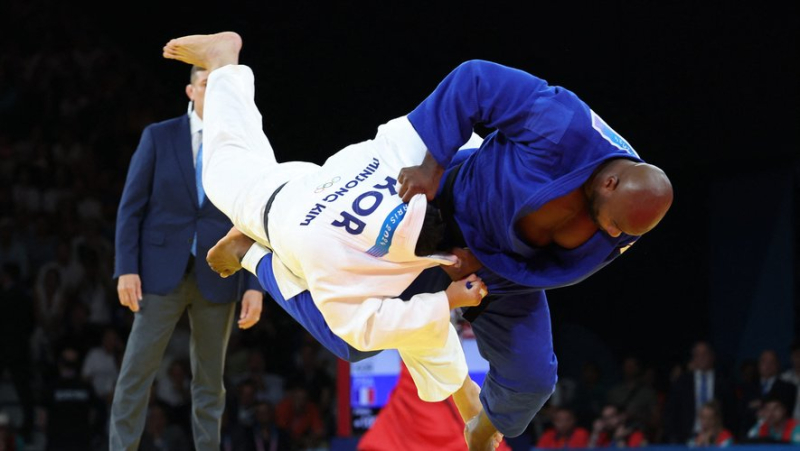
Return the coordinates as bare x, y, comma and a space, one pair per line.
698, 395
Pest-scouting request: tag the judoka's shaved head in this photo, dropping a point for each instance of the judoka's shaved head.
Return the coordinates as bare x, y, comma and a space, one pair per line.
628, 197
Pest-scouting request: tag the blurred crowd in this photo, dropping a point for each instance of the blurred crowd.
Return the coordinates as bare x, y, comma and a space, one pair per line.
72, 107
698, 405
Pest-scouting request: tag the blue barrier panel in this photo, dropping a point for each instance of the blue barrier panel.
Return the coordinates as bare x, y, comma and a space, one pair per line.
349, 444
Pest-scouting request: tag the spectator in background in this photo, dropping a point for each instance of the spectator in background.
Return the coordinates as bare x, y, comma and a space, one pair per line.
159, 434
101, 365
174, 393
91, 236
11, 249
26, 194
638, 401
564, 433
769, 385
9, 440
69, 269
301, 418
236, 360
78, 333
94, 290
268, 386
49, 307
792, 375
49, 300
774, 424
312, 376
241, 406
711, 431
613, 429
40, 242
57, 189
694, 389
73, 409
16, 328
748, 374
264, 434
590, 394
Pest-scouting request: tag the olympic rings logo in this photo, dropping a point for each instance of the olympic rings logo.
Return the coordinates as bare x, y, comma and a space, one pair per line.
327, 185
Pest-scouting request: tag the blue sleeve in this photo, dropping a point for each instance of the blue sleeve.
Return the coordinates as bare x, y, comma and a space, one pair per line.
132, 205
303, 309
251, 282
476, 92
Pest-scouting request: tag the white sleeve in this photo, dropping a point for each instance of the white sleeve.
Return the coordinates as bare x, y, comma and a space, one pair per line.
403, 140
369, 322
420, 329
253, 257
437, 372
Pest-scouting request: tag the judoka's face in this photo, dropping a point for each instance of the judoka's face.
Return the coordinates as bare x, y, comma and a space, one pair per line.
600, 209
630, 198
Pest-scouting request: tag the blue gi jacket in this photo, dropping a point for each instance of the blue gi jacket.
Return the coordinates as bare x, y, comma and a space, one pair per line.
547, 143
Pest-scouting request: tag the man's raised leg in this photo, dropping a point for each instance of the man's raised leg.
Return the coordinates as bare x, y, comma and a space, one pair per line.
239, 167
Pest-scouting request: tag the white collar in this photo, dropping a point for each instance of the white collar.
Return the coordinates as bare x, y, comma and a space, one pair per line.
195, 123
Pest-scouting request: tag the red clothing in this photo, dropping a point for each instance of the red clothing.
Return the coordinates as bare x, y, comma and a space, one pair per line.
301, 423
785, 434
634, 440
578, 439
724, 437
408, 423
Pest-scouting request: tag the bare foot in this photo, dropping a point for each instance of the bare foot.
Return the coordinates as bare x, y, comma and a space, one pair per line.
209, 51
225, 258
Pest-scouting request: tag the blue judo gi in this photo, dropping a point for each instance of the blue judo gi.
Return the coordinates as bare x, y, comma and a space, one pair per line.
546, 143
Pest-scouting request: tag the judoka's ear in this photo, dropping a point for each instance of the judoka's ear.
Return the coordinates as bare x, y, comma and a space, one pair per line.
611, 182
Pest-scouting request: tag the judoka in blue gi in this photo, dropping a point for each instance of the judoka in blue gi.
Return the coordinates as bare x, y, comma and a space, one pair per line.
550, 197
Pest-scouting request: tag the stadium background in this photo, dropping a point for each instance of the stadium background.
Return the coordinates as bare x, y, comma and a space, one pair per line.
707, 92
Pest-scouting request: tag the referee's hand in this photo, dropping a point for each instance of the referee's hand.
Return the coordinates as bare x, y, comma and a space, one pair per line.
129, 290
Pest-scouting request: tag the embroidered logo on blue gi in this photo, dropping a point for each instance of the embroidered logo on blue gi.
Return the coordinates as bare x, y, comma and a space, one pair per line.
610, 135
390, 224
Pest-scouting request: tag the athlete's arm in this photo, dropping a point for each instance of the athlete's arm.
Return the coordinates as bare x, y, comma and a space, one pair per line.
482, 92
371, 323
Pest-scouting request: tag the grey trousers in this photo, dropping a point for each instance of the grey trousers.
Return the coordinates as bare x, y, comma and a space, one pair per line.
153, 325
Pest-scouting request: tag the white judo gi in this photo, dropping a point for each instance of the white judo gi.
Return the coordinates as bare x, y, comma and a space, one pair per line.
339, 230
